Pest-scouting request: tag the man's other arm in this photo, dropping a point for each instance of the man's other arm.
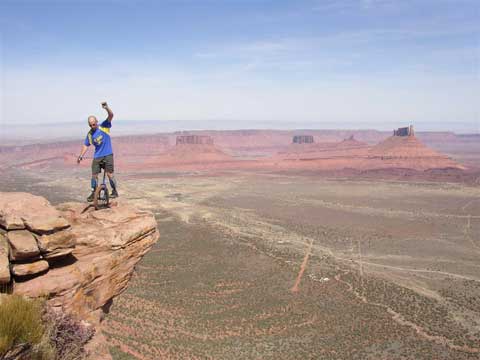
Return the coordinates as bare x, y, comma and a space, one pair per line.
82, 152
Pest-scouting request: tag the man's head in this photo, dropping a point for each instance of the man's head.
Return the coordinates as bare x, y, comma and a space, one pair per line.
92, 122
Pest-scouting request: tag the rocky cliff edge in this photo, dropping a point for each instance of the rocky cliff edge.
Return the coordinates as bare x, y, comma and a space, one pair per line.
76, 258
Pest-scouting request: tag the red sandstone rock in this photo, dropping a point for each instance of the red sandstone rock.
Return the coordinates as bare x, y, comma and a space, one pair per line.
107, 248
56, 245
33, 268
40, 218
9, 220
22, 245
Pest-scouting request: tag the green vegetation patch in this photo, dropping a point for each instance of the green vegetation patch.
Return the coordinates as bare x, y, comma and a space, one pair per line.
20, 322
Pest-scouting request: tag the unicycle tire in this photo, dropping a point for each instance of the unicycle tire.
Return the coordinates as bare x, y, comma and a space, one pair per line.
101, 198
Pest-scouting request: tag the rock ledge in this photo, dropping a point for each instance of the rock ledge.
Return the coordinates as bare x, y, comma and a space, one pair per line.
78, 260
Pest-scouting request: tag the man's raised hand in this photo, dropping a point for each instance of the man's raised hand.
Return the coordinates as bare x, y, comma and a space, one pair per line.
109, 111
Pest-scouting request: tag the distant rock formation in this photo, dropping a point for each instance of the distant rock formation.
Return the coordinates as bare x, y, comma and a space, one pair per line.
303, 139
193, 149
78, 260
347, 148
405, 131
253, 149
405, 150
350, 143
194, 139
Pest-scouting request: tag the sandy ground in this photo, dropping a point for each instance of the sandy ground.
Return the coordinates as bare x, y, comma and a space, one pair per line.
392, 269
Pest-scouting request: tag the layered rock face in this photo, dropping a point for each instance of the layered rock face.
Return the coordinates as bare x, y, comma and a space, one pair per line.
79, 260
33, 234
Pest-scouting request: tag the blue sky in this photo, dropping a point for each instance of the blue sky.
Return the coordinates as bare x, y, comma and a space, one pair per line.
351, 63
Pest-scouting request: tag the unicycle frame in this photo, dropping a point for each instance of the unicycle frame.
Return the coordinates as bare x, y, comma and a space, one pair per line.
101, 199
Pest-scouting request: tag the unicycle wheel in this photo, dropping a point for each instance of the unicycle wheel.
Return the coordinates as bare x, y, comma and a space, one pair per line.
101, 197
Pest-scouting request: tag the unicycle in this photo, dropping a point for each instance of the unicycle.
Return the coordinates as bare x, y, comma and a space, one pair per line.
101, 198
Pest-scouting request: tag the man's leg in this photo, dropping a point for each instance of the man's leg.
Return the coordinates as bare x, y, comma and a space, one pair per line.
109, 167
94, 181
113, 184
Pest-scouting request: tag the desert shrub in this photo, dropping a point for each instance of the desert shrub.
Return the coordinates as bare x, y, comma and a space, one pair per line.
20, 322
30, 327
67, 335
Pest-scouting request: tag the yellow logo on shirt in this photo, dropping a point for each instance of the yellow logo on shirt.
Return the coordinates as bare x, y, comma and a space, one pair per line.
98, 140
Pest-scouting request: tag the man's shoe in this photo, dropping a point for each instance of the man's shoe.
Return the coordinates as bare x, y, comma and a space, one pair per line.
90, 198
114, 194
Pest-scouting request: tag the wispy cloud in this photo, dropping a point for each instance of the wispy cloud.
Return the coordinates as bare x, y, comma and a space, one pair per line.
369, 4
333, 6
349, 5
254, 48
346, 48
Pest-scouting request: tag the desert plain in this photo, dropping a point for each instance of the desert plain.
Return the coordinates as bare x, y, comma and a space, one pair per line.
264, 257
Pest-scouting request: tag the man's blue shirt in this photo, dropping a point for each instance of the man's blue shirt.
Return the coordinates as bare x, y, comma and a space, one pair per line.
101, 139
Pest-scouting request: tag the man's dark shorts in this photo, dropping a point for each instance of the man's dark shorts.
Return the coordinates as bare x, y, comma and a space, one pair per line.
103, 162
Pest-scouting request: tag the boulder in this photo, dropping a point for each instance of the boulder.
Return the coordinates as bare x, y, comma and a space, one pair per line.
22, 210
10, 221
58, 244
46, 225
4, 268
30, 268
22, 245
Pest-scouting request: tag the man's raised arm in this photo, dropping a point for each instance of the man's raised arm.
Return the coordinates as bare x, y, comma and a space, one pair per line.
109, 111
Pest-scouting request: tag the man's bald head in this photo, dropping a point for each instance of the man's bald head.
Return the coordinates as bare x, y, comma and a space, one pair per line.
92, 121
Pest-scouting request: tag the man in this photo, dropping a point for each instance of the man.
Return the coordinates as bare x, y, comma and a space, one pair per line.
99, 136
